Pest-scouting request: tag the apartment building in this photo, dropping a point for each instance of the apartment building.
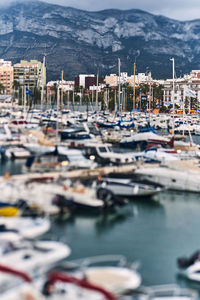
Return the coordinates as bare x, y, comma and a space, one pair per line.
6, 77
30, 73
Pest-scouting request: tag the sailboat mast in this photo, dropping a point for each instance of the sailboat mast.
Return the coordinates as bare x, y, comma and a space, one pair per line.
42, 93
97, 91
61, 90
173, 73
119, 85
134, 87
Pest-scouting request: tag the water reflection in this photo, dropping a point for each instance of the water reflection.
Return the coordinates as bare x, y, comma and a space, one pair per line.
153, 231
13, 167
108, 220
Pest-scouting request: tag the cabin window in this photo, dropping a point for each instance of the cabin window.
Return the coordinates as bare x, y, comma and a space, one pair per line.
102, 149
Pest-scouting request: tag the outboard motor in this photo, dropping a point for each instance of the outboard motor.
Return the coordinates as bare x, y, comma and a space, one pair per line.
109, 198
63, 203
30, 161
106, 196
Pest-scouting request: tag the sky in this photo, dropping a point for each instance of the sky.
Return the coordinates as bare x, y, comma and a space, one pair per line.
176, 9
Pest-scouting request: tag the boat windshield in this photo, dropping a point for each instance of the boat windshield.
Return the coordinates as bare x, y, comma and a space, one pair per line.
103, 149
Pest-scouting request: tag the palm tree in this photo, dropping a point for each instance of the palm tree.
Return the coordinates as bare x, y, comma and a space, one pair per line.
16, 87
2, 88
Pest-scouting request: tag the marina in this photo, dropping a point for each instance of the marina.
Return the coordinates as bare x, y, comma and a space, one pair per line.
99, 150
95, 193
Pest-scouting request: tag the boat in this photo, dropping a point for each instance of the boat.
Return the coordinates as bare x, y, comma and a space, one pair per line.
16, 152
75, 158
141, 140
175, 175
28, 228
127, 188
108, 271
8, 210
105, 155
33, 257
190, 266
79, 196
57, 286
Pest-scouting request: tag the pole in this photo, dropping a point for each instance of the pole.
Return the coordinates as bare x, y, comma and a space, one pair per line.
24, 100
97, 92
115, 100
58, 102
73, 100
173, 72
119, 86
92, 95
68, 99
42, 93
62, 91
134, 87
184, 97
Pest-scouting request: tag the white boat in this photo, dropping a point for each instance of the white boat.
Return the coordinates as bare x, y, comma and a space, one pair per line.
75, 158
28, 228
34, 258
34, 194
110, 272
15, 152
190, 267
39, 149
127, 188
175, 176
58, 286
157, 155
104, 154
77, 196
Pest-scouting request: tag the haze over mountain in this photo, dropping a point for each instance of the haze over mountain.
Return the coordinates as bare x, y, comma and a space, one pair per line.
79, 41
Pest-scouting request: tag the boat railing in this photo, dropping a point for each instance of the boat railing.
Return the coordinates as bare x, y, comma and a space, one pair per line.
169, 290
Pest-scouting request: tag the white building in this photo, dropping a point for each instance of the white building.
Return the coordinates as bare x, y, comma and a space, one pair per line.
62, 84
192, 81
113, 79
5, 63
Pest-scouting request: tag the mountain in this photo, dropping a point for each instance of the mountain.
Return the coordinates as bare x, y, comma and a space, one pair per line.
78, 41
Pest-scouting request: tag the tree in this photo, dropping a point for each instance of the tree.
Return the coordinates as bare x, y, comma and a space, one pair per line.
2, 88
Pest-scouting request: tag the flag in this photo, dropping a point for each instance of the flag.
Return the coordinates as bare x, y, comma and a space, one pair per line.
28, 92
188, 92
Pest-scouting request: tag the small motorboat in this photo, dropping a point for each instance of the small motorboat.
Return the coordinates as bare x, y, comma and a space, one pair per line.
125, 187
57, 286
35, 258
190, 266
28, 228
108, 271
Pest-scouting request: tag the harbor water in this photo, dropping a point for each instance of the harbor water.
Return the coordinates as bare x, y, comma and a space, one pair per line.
153, 233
